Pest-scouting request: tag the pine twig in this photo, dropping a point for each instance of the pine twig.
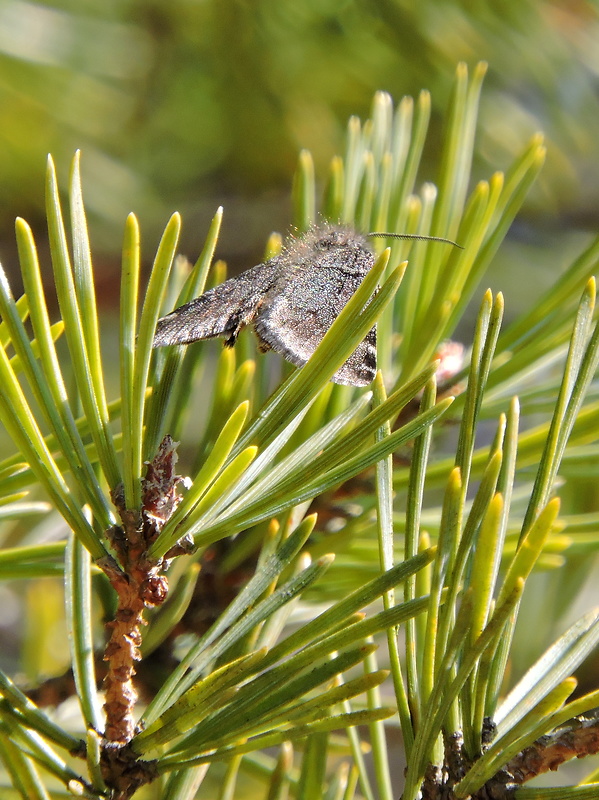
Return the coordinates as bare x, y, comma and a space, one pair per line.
140, 583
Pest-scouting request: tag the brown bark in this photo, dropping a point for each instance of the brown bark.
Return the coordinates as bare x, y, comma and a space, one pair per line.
578, 739
139, 583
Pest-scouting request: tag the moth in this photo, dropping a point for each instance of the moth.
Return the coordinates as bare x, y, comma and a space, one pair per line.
290, 300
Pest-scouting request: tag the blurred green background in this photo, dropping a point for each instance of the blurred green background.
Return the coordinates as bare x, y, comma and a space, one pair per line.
192, 104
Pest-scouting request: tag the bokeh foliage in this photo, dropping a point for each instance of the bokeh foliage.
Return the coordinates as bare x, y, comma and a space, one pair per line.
194, 102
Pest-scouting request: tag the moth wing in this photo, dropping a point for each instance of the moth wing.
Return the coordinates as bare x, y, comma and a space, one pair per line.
222, 311
360, 367
300, 309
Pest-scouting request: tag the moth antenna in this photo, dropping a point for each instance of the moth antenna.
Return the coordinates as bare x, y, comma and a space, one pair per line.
415, 236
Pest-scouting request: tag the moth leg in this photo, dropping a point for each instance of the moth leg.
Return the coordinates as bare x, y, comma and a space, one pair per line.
239, 321
233, 333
